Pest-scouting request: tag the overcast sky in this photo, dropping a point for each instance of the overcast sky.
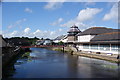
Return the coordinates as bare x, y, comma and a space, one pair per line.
51, 19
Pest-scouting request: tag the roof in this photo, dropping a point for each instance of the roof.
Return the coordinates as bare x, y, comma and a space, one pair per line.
112, 36
60, 37
99, 42
74, 29
74, 26
97, 30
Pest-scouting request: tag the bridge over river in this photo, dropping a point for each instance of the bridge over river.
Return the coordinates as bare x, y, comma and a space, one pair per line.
42, 46
44, 63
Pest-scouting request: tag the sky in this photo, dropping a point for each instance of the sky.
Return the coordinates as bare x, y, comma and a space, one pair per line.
52, 19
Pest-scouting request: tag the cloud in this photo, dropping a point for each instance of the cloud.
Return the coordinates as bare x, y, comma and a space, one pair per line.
37, 33
10, 26
27, 30
28, 10
17, 23
61, 0
57, 22
54, 4
60, 30
87, 14
52, 33
90, 4
14, 33
119, 13
113, 14
83, 15
70, 23
0, 31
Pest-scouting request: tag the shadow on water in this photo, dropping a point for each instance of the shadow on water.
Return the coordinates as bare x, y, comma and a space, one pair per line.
44, 63
10, 69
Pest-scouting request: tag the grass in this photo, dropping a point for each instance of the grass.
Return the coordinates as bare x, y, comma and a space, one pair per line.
58, 49
27, 54
65, 51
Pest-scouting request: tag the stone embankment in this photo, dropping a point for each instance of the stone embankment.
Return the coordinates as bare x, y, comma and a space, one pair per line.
9, 53
102, 56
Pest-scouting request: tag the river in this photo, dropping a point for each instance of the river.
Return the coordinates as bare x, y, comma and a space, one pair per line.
45, 63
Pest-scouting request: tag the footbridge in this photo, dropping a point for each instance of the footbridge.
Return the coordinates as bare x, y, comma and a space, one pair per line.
42, 46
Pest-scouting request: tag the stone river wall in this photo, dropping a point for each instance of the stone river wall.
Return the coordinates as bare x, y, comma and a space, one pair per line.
74, 51
8, 53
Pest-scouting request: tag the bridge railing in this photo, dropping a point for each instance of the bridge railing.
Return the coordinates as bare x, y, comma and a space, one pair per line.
42, 46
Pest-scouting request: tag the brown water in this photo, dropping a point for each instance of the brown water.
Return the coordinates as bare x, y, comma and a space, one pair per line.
44, 63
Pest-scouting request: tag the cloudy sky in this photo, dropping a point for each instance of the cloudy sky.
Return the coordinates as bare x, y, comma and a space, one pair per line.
51, 19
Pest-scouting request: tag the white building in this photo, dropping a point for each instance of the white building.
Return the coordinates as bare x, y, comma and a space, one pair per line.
99, 40
62, 38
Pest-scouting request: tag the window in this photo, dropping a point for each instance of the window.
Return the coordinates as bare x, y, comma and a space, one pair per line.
105, 47
115, 47
85, 46
94, 46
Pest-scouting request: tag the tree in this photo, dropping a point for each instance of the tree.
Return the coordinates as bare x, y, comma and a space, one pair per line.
60, 43
41, 38
36, 38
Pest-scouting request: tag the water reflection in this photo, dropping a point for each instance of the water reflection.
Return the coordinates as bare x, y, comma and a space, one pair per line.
44, 63
98, 68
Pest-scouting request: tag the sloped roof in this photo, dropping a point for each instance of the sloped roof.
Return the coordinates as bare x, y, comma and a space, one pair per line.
112, 36
60, 37
97, 30
74, 29
100, 42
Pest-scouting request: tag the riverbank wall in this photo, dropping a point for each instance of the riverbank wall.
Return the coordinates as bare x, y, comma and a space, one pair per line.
8, 54
74, 51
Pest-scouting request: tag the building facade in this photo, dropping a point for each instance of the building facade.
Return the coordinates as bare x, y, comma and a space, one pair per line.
99, 40
74, 30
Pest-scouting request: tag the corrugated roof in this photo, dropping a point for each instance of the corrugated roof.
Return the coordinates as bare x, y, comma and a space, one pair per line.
97, 30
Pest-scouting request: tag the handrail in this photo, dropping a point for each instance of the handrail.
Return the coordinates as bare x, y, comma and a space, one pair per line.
42, 46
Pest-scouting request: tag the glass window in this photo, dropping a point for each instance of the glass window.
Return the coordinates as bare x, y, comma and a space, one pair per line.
94, 46
105, 47
85, 46
115, 47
